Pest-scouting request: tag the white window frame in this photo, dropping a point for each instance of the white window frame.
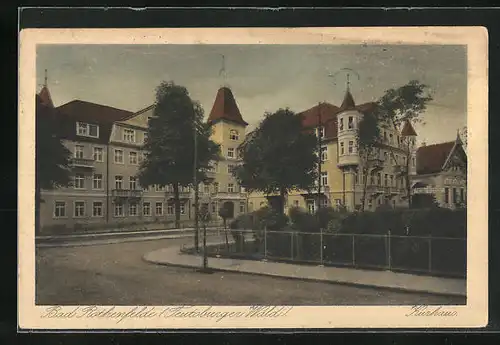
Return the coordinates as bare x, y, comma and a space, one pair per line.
130, 154
350, 147
64, 208
86, 132
234, 135
120, 179
242, 207
230, 168
84, 209
182, 208
79, 149
82, 179
342, 148
95, 149
350, 122
324, 177
115, 156
324, 153
230, 188
128, 135
341, 124
170, 209
115, 205
231, 152
94, 181
130, 209
93, 209
156, 208
134, 180
144, 208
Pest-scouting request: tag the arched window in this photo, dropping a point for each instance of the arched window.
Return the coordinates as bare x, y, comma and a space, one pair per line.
233, 134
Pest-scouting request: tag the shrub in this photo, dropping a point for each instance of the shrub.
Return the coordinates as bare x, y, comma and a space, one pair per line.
303, 221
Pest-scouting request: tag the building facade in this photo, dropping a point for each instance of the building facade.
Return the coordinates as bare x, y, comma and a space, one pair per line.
107, 149
442, 173
342, 165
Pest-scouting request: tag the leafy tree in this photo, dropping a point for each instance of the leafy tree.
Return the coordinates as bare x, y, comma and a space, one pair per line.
424, 201
396, 106
368, 138
170, 142
278, 156
52, 157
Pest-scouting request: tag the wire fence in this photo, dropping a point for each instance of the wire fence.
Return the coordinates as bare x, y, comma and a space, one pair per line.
426, 255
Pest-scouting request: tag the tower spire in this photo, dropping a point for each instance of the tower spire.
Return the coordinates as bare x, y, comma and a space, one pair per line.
45, 80
222, 71
348, 82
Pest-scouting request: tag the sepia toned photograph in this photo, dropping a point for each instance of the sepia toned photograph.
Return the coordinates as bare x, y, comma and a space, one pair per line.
176, 178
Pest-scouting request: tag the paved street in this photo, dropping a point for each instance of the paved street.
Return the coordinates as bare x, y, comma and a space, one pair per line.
115, 274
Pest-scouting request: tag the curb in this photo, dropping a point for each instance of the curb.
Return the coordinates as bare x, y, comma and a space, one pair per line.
359, 285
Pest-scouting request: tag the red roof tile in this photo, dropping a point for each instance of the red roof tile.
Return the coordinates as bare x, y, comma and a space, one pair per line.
45, 97
329, 116
88, 112
431, 158
225, 108
408, 130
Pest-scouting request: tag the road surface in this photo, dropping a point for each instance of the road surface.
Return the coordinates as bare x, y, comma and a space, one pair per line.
115, 274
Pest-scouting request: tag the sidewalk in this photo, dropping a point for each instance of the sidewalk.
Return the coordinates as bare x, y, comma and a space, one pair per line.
375, 279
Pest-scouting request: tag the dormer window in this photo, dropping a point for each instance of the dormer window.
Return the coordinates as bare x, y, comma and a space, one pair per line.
129, 135
233, 134
350, 123
320, 132
87, 130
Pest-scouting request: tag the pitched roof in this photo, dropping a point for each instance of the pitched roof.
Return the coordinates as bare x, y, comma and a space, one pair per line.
348, 102
82, 111
310, 118
45, 97
408, 130
431, 158
225, 108
329, 114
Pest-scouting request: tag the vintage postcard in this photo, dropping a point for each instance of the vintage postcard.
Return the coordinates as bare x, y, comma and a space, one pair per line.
253, 178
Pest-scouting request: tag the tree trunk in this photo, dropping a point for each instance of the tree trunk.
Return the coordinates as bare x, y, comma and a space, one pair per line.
225, 234
177, 206
281, 206
365, 182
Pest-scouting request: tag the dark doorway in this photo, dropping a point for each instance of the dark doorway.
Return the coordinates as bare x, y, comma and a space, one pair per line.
230, 208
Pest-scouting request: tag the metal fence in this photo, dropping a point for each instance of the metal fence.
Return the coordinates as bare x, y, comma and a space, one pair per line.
427, 255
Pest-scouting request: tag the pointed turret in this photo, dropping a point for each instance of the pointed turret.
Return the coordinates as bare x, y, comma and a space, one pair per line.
348, 102
44, 94
408, 130
225, 108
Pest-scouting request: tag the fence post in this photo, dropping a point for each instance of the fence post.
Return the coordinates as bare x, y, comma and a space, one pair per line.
265, 242
353, 251
321, 244
389, 259
291, 241
430, 254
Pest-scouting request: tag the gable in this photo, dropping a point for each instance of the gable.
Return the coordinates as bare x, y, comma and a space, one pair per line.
141, 118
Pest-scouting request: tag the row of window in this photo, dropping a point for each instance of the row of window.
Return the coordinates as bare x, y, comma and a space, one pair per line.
389, 180
133, 209
134, 157
80, 209
133, 184
454, 195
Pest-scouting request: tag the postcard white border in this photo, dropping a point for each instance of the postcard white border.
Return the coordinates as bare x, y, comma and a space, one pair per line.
473, 314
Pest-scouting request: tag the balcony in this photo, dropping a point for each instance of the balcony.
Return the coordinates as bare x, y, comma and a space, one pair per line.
82, 163
126, 193
314, 190
376, 190
229, 195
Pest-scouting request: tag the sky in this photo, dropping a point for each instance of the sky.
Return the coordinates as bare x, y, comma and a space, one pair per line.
263, 78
